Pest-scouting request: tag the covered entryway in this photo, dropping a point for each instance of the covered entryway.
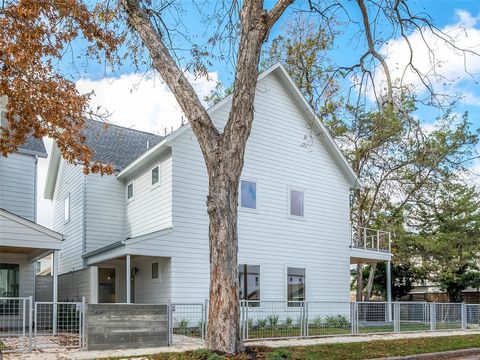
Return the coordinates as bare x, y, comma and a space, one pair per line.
22, 243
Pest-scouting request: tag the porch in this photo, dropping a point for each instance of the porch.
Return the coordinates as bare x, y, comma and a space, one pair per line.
121, 275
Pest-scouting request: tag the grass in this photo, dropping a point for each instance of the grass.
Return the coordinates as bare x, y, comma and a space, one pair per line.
353, 351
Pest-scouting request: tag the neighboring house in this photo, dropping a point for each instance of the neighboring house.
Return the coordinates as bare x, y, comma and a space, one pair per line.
431, 292
141, 235
22, 241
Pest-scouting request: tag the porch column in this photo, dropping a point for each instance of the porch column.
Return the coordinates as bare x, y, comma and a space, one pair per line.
389, 290
127, 276
55, 289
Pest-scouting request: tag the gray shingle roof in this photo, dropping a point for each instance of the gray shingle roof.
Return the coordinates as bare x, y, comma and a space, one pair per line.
117, 145
33, 146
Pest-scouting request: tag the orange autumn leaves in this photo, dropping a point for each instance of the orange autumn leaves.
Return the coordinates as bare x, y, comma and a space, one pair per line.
34, 37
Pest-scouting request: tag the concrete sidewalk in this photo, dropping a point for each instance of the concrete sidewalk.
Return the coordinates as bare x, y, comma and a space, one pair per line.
56, 354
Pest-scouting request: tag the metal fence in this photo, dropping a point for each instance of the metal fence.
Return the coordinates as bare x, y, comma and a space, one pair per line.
58, 324
15, 324
187, 322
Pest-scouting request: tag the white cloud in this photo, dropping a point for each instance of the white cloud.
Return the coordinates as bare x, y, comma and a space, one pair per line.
449, 69
142, 102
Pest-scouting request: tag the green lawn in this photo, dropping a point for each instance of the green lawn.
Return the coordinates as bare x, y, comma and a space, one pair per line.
351, 351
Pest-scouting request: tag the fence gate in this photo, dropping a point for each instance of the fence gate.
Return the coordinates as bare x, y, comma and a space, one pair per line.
58, 324
15, 323
187, 323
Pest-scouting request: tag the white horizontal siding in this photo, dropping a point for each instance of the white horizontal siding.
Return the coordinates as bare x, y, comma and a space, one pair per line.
74, 285
151, 208
148, 290
26, 276
70, 180
105, 213
276, 159
17, 184
21, 235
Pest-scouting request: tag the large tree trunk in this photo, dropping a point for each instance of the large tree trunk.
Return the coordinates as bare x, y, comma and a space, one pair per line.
359, 289
224, 308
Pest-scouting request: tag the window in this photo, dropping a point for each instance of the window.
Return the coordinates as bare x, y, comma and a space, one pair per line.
296, 203
155, 172
155, 270
295, 285
130, 191
66, 209
38, 267
9, 287
106, 285
249, 281
248, 194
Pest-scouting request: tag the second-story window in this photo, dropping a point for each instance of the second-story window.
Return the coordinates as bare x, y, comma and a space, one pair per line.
248, 194
155, 174
66, 208
296, 204
130, 191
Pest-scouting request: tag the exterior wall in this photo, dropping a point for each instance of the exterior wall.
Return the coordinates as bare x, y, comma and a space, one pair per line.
73, 285
105, 211
44, 288
18, 182
27, 279
70, 181
148, 290
277, 159
151, 207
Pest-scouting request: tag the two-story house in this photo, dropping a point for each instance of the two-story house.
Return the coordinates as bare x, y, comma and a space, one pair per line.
22, 240
141, 235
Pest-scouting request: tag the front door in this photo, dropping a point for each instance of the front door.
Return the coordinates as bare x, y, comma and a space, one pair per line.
106, 285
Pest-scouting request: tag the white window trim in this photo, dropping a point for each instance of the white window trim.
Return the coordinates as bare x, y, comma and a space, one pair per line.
246, 209
159, 277
285, 271
66, 221
126, 191
153, 186
289, 213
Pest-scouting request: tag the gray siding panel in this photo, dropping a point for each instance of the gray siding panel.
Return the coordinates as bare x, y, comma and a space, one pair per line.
17, 184
72, 286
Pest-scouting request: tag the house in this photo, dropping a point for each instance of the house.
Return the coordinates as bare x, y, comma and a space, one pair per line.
141, 235
23, 242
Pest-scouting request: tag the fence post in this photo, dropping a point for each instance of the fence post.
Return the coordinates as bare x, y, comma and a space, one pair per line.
247, 332
170, 322
365, 238
305, 316
433, 317
464, 316
30, 322
83, 323
205, 317
396, 316
353, 317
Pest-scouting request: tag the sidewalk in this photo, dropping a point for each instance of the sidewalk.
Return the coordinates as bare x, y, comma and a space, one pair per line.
56, 354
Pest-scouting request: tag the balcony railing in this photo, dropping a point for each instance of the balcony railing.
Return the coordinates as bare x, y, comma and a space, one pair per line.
371, 239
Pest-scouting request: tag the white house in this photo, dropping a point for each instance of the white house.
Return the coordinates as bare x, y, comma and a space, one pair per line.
141, 235
23, 242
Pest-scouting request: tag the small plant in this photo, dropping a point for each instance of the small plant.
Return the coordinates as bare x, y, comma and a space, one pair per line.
250, 323
337, 321
262, 323
204, 354
183, 327
317, 322
288, 322
280, 354
272, 320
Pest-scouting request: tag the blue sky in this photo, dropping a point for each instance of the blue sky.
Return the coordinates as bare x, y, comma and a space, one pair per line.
145, 103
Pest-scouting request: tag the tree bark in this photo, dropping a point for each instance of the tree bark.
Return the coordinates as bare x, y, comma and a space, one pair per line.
371, 276
359, 290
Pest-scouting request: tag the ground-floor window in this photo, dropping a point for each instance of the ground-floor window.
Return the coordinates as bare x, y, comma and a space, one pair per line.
249, 280
9, 287
295, 285
106, 285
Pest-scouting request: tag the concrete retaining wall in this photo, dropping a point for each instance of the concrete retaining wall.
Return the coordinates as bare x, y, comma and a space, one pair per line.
126, 326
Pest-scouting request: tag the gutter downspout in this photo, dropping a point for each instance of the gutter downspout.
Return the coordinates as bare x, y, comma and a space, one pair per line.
35, 190
84, 219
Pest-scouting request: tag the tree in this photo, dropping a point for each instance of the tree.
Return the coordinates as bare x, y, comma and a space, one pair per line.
158, 24
448, 228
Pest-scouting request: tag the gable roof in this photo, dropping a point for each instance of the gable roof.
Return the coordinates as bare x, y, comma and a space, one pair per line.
110, 144
305, 108
33, 146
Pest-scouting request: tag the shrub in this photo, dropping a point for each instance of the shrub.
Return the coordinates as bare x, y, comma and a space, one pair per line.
250, 323
280, 354
288, 322
337, 321
183, 327
272, 320
262, 323
317, 322
204, 354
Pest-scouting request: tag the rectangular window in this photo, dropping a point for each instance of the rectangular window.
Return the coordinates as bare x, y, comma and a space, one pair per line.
248, 194
9, 287
155, 270
130, 190
66, 209
295, 285
155, 175
38, 267
249, 281
296, 203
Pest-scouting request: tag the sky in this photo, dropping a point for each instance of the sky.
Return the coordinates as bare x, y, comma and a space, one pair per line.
142, 101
